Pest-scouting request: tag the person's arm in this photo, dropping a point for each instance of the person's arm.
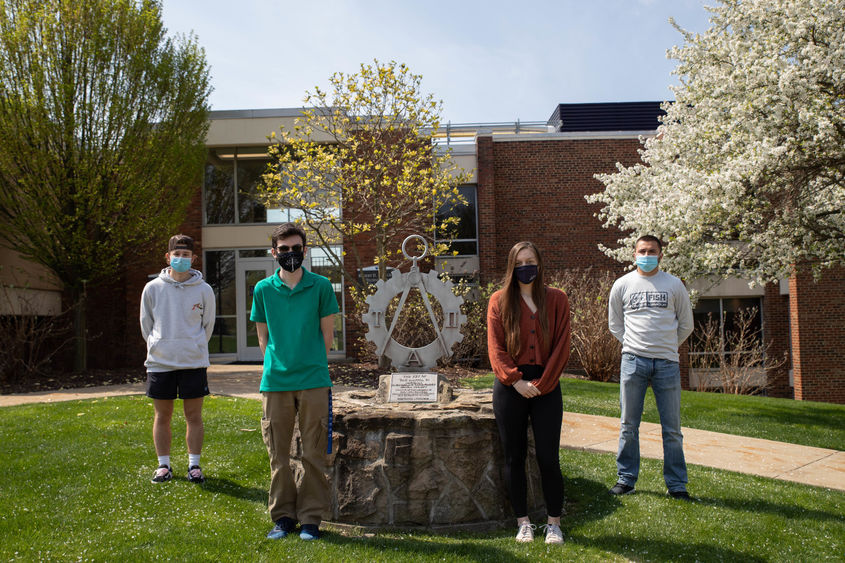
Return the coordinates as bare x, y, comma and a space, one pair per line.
683, 309
560, 342
327, 310
261, 330
209, 312
146, 316
503, 365
327, 327
257, 316
616, 313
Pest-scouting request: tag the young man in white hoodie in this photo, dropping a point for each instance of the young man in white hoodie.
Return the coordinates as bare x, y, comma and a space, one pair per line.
177, 318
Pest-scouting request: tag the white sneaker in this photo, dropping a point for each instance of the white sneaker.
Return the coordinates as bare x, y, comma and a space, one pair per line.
525, 533
553, 533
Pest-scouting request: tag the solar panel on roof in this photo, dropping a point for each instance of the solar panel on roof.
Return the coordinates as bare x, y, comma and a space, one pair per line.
613, 116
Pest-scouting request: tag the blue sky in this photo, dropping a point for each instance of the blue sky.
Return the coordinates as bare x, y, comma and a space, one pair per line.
487, 60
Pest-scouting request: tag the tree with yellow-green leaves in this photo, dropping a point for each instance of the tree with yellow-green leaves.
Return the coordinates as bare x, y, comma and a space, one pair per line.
361, 165
103, 119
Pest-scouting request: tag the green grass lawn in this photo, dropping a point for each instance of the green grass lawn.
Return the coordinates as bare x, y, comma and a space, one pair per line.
76, 487
799, 422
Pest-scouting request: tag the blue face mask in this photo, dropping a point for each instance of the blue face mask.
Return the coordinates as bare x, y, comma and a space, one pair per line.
180, 265
646, 263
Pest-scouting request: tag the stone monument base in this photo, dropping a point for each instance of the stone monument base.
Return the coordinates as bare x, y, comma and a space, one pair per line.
421, 466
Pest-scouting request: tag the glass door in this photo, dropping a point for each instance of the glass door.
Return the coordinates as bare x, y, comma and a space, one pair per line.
250, 272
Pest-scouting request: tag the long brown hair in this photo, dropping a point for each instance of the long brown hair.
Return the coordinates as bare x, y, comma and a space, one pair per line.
510, 306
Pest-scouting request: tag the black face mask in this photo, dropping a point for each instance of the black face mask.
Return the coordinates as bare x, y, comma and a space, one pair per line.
290, 261
526, 274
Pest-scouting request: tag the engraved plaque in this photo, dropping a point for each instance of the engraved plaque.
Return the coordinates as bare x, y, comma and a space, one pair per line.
413, 387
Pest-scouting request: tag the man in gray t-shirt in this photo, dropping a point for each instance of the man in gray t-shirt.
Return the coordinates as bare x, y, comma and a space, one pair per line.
649, 312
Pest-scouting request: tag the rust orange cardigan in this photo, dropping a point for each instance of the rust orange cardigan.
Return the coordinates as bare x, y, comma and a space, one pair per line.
553, 359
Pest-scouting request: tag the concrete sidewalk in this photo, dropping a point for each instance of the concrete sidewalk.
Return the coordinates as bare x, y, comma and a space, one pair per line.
803, 464
767, 458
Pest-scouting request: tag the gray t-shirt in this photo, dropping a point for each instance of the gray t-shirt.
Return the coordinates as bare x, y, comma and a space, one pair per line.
650, 315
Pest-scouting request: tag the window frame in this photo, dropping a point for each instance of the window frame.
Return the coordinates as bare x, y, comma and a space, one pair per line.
475, 219
236, 196
722, 316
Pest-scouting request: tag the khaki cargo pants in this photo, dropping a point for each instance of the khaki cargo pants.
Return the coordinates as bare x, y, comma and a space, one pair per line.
280, 412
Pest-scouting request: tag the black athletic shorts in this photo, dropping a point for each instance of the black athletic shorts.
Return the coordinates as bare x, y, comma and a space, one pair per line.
184, 383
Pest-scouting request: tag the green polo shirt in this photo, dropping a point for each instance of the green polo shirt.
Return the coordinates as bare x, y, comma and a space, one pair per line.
295, 357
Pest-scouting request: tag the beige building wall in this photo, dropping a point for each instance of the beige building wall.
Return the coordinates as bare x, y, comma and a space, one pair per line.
236, 236
251, 127
732, 287
27, 288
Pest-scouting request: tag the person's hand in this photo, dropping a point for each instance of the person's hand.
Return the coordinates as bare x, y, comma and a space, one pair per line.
526, 389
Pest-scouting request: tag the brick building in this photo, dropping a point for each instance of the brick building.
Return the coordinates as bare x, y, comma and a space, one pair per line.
528, 182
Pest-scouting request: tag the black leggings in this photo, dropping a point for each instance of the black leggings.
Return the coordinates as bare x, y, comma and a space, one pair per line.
512, 412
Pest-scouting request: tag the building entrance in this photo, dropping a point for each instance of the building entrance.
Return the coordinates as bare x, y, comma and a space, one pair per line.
250, 271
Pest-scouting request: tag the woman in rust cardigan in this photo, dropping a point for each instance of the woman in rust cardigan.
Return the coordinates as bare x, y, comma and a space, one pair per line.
528, 342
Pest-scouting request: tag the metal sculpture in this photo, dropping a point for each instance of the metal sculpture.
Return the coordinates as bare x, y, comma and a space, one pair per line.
402, 357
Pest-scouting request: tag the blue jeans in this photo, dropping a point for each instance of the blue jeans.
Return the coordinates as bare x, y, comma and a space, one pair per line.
665, 377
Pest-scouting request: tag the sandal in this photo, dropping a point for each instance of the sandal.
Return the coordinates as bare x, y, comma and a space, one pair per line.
162, 474
195, 474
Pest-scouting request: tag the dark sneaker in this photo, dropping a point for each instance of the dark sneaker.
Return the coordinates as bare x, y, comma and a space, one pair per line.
283, 527
309, 532
195, 474
680, 495
162, 474
622, 489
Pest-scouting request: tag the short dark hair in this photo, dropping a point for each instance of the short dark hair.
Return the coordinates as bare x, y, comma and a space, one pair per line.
180, 242
650, 238
286, 230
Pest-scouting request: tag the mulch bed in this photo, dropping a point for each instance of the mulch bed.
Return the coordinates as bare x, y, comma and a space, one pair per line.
357, 374
90, 378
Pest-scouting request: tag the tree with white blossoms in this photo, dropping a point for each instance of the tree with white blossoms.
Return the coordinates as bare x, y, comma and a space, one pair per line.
366, 147
746, 175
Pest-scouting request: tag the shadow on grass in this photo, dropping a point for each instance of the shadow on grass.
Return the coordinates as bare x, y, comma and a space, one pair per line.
430, 547
663, 550
823, 417
754, 506
233, 489
586, 500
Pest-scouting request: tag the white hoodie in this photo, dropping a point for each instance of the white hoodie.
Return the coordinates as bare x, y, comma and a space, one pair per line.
177, 319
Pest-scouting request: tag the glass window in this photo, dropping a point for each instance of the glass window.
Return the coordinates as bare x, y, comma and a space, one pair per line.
283, 215
220, 275
462, 248
219, 187
251, 279
249, 177
706, 310
731, 307
724, 311
464, 238
231, 180
257, 253
224, 339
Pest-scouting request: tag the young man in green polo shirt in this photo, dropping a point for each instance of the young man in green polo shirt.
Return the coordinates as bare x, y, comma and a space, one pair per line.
293, 311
